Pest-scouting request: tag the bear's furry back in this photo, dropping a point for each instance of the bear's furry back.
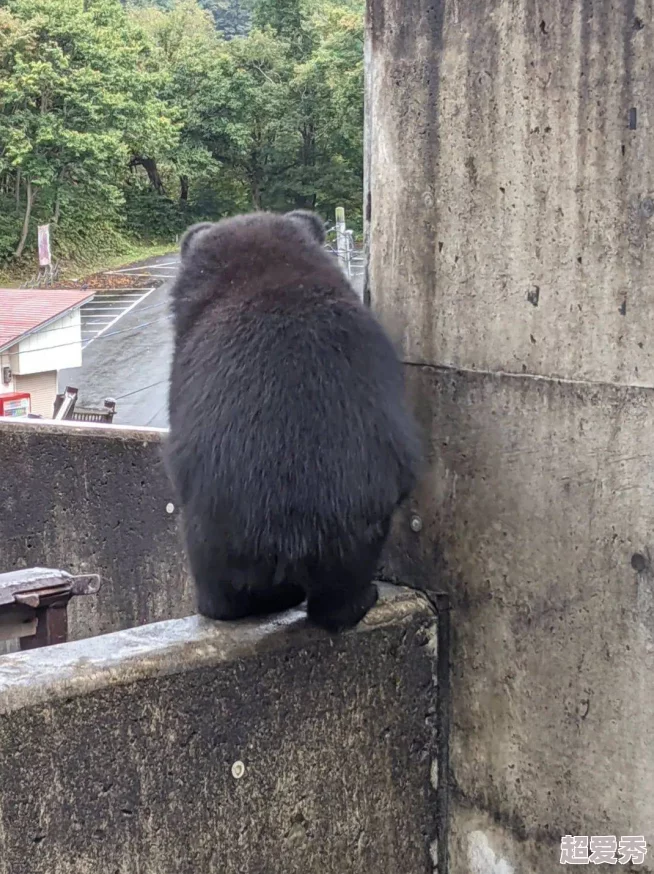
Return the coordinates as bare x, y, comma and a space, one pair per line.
288, 428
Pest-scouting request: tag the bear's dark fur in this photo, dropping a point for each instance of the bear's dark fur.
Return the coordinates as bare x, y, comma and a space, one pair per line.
290, 445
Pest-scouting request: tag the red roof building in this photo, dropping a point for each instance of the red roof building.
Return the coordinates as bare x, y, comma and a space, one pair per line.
40, 334
26, 310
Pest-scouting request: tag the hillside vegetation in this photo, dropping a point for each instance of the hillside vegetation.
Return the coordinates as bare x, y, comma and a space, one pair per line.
122, 123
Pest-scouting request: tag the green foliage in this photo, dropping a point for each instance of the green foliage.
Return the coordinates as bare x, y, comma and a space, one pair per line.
77, 98
286, 20
123, 121
10, 228
150, 215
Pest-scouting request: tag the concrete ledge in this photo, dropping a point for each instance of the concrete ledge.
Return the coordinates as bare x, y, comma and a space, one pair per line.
121, 754
172, 647
90, 430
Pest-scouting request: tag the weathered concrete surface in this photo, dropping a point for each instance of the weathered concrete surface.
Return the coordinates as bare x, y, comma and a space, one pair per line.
538, 519
511, 233
92, 499
512, 205
117, 753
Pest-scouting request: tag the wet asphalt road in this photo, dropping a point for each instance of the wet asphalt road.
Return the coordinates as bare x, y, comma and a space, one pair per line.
130, 361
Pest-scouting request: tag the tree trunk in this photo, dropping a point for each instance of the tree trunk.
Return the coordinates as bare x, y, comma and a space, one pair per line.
17, 190
256, 195
150, 167
31, 194
308, 163
254, 175
303, 201
183, 188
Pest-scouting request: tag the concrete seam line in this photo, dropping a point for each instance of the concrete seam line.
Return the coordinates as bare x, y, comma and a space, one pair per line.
597, 383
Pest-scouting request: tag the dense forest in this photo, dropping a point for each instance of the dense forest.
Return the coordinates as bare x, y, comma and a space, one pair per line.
123, 121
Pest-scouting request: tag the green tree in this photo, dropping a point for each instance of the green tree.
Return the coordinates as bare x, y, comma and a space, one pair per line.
336, 116
302, 145
136, 118
197, 67
184, 48
76, 101
241, 111
287, 20
324, 112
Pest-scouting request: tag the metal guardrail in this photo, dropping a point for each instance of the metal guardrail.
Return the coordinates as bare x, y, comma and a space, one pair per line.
340, 242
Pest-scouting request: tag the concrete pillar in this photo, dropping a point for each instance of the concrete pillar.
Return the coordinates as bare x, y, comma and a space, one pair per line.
510, 178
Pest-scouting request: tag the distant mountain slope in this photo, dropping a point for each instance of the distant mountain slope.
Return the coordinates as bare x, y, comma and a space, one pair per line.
232, 17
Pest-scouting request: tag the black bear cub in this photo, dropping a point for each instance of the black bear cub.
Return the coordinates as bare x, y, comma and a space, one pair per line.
290, 444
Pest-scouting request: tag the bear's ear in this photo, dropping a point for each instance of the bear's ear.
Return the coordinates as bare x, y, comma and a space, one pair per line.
189, 235
311, 221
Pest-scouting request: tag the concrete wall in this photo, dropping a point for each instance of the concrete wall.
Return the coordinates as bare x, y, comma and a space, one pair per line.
117, 754
511, 183
87, 498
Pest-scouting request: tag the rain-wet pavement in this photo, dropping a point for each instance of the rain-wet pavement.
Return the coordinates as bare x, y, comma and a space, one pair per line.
129, 360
